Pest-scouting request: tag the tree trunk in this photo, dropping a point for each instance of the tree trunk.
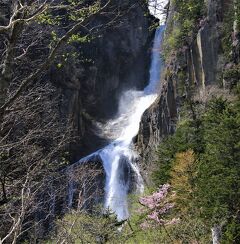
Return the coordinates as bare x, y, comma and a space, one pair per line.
216, 234
7, 71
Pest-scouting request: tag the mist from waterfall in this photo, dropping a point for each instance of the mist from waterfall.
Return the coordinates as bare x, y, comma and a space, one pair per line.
119, 157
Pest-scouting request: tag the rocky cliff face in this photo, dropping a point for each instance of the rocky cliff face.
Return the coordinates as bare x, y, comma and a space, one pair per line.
194, 68
114, 61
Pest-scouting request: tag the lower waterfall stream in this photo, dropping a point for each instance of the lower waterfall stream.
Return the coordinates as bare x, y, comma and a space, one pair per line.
118, 157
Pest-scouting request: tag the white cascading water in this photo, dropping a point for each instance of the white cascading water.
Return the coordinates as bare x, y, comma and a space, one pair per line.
118, 157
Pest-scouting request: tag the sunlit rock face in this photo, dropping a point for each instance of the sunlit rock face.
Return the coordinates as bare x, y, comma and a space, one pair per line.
201, 61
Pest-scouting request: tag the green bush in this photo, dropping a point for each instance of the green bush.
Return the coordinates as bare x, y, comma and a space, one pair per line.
184, 24
214, 137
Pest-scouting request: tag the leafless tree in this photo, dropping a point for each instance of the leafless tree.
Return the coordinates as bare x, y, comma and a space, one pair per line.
40, 25
81, 223
158, 7
33, 134
34, 140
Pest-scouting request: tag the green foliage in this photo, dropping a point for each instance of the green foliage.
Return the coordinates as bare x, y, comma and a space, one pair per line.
173, 41
184, 24
78, 11
47, 18
188, 9
79, 38
81, 227
218, 181
209, 191
72, 13
182, 77
188, 136
82, 13
227, 30
232, 76
232, 73
153, 236
188, 230
232, 230
182, 177
237, 13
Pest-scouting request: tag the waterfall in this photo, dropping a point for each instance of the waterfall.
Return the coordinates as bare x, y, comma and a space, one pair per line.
118, 157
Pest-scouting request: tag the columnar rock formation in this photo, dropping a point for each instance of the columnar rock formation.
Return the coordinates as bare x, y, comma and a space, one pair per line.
202, 62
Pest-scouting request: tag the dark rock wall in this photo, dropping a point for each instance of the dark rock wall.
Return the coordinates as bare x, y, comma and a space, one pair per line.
157, 122
119, 60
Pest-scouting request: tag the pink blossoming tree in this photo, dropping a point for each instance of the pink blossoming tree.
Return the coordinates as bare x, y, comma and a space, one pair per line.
157, 206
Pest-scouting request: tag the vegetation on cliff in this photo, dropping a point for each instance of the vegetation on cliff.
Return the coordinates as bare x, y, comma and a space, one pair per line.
184, 22
203, 167
196, 177
201, 159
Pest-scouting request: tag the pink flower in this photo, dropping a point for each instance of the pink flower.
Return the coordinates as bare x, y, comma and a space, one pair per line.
173, 221
154, 216
148, 202
158, 203
145, 225
166, 208
153, 200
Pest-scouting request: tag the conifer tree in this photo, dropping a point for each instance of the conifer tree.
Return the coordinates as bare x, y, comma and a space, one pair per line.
218, 181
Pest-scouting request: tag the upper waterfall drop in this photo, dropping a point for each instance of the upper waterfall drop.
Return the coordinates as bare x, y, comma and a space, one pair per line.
118, 157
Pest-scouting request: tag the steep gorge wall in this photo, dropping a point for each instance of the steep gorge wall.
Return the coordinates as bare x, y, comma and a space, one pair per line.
194, 68
117, 60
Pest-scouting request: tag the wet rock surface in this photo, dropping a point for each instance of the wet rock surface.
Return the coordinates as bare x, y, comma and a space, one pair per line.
118, 59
